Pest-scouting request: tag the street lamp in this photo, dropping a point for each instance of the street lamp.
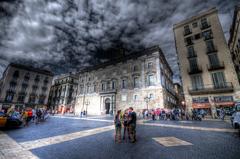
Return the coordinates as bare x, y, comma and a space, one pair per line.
147, 99
87, 103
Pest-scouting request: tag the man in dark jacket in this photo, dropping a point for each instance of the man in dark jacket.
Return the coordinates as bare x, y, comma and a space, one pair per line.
132, 125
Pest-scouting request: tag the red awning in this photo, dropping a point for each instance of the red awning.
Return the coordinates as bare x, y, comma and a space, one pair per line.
201, 105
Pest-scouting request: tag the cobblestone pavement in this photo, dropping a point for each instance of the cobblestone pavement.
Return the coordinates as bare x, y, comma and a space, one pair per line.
92, 138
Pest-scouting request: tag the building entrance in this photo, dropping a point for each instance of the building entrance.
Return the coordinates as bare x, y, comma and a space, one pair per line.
107, 105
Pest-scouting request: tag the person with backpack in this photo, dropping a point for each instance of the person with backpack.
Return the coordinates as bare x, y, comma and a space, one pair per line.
118, 127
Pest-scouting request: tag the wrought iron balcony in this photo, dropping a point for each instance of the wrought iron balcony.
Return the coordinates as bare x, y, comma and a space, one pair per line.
205, 26
187, 32
194, 70
106, 91
208, 89
212, 50
214, 67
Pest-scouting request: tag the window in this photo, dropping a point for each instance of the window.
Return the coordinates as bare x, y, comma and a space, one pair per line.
151, 80
187, 30
16, 74
37, 78
124, 83
207, 34
193, 64
24, 87
113, 84
204, 23
21, 98
13, 85
44, 89
213, 59
200, 100
27, 77
32, 99
197, 36
88, 89
46, 80
151, 96
9, 96
34, 88
150, 65
189, 41
191, 52
41, 99
218, 80
210, 46
124, 98
197, 82
103, 86
135, 97
81, 90
135, 68
195, 24
95, 88
108, 85
136, 82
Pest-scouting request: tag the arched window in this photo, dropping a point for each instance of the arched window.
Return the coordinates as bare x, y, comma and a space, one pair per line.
16, 74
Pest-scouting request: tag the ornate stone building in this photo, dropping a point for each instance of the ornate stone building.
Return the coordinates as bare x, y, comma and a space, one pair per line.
208, 74
234, 40
24, 86
142, 80
63, 92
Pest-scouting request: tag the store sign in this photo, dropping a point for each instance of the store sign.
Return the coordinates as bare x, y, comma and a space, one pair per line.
200, 100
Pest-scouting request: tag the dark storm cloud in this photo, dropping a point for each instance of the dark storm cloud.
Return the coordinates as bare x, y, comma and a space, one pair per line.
67, 35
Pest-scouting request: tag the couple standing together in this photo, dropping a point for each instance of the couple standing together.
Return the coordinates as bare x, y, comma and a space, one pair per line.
128, 121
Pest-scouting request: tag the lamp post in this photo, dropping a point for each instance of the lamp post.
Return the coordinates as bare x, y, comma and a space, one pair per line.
87, 103
147, 99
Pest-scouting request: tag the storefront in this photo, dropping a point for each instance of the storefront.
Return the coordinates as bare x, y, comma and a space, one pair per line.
202, 103
225, 102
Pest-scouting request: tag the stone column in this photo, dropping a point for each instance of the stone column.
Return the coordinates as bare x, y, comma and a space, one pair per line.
158, 78
143, 73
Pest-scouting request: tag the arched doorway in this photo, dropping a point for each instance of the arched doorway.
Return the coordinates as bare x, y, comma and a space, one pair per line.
107, 105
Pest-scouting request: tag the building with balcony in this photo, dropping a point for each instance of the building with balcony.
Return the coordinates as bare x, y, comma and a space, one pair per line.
63, 92
24, 86
142, 80
234, 40
206, 67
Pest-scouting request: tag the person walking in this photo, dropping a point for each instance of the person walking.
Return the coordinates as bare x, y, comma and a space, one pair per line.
24, 117
118, 127
222, 114
132, 121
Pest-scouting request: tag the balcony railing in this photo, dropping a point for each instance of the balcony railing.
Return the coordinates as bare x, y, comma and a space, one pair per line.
106, 91
187, 32
192, 55
208, 37
194, 70
205, 26
208, 89
212, 50
214, 67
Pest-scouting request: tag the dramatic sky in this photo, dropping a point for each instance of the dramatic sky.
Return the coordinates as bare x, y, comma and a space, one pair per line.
67, 35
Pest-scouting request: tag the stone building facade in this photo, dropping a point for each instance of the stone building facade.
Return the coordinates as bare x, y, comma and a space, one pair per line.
234, 40
179, 95
24, 86
63, 92
142, 80
208, 74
